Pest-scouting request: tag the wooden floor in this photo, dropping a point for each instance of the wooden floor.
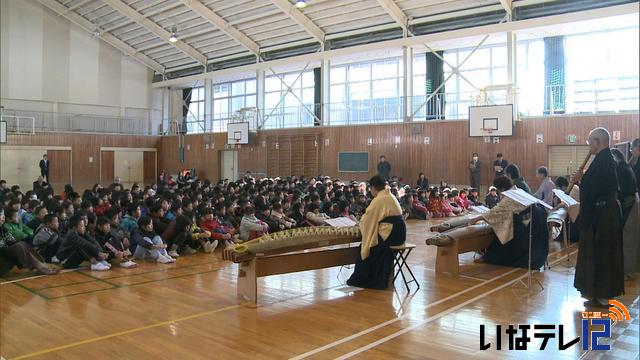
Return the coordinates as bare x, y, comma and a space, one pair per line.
188, 310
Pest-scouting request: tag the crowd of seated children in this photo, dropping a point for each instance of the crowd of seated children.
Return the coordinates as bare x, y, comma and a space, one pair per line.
111, 225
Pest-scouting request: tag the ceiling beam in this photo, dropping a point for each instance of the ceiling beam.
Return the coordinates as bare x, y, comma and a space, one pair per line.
396, 14
217, 21
506, 5
132, 14
106, 37
420, 40
302, 20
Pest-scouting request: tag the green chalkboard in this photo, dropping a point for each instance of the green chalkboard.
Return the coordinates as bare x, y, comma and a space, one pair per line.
353, 162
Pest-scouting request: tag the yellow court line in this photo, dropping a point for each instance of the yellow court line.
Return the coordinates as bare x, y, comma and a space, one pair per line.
125, 332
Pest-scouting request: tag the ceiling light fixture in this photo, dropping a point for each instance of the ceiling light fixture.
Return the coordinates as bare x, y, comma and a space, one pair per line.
300, 4
174, 36
96, 33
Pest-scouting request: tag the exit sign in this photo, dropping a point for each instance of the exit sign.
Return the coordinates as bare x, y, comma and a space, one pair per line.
572, 138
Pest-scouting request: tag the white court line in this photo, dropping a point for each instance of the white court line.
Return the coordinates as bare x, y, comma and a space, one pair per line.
39, 276
391, 321
388, 322
432, 318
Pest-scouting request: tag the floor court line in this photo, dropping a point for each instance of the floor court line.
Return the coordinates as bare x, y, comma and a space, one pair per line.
391, 321
125, 332
151, 326
434, 317
37, 276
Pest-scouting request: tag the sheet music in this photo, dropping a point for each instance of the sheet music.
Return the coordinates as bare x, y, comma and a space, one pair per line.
564, 197
524, 198
480, 209
341, 222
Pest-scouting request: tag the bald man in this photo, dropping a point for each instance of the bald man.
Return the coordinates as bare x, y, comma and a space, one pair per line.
599, 270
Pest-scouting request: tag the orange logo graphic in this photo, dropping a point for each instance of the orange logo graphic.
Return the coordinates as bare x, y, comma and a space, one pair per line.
617, 311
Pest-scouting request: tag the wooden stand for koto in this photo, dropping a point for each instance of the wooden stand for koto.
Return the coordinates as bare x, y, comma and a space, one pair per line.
265, 265
447, 258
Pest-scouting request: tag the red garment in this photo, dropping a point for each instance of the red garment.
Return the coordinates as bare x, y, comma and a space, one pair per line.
216, 229
101, 209
446, 208
463, 203
417, 205
434, 207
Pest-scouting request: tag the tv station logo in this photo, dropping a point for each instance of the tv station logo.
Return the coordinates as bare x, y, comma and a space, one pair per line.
520, 336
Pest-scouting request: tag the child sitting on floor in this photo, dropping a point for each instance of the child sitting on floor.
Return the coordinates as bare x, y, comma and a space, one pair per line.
78, 246
250, 226
112, 244
46, 239
278, 215
149, 244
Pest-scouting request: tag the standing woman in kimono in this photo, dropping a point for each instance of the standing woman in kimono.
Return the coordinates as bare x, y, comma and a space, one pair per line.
382, 225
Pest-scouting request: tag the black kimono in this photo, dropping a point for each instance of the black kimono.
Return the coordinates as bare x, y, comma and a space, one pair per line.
374, 271
599, 270
515, 253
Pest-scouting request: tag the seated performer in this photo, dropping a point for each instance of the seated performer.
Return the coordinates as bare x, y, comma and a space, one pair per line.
381, 226
510, 222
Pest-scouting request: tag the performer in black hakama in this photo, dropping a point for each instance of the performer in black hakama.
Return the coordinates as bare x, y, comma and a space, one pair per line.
510, 222
382, 225
599, 269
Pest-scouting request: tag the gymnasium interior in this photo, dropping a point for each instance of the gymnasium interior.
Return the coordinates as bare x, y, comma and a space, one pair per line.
197, 108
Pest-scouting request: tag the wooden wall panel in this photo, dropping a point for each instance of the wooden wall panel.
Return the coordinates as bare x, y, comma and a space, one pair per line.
149, 167
107, 167
85, 150
446, 156
59, 167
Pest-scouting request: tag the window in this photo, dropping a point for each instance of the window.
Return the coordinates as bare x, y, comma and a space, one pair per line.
230, 97
195, 119
484, 67
602, 71
530, 77
284, 108
368, 92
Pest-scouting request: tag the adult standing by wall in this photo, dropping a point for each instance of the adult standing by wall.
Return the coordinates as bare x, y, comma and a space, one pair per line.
599, 269
44, 168
474, 171
384, 168
499, 165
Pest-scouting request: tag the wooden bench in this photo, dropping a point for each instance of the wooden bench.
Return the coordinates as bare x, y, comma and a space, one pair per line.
265, 265
459, 241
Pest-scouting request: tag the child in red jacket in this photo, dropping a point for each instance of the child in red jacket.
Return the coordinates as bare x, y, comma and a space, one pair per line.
224, 234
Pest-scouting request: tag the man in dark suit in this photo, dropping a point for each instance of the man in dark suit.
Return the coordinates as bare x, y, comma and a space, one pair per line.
499, 165
384, 168
44, 168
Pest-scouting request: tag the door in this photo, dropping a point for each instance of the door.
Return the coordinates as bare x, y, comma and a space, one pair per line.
59, 167
150, 175
20, 166
564, 160
229, 165
107, 166
129, 167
